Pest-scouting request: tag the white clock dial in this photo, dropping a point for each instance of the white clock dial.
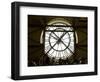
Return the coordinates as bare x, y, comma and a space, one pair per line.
59, 42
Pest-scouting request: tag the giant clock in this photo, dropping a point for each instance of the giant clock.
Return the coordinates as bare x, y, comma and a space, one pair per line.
59, 40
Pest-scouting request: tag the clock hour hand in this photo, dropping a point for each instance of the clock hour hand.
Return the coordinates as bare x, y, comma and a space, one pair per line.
54, 37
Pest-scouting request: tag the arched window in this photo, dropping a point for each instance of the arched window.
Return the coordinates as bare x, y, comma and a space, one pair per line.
59, 39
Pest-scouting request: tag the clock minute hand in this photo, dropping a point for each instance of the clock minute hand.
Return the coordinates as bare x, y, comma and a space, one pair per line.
62, 35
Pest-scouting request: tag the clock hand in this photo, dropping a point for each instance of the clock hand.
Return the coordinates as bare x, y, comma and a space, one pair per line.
54, 37
59, 38
62, 35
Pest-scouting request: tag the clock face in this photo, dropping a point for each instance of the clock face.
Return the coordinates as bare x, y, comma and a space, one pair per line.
59, 42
